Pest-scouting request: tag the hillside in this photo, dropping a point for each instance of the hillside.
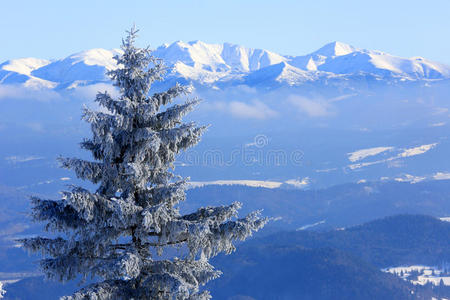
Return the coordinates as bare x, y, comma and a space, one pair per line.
390, 241
343, 264
294, 272
338, 206
334, 264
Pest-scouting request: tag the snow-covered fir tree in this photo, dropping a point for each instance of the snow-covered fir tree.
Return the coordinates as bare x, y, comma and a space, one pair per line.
2, 291
120, 232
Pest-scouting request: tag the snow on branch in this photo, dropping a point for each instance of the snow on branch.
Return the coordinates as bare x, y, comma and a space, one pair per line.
92, 171
117, 233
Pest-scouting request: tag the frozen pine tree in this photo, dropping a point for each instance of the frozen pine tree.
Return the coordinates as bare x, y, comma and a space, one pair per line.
2, 291
120, 232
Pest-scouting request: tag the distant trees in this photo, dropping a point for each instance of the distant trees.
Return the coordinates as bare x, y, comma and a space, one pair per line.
121, 231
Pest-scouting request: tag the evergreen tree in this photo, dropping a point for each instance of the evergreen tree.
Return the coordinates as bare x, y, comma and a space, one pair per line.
2, 291
119, 232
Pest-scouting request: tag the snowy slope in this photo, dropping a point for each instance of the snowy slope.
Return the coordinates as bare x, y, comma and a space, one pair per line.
340, 58
19, 71
281, 73
313, 61
83, 66
209, 63
217, 57
23, 65
230, 64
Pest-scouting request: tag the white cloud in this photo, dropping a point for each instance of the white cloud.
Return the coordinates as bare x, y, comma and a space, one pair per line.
369, 190
343, 97
243, 110
35, 126
20, 159
313, 108
15, 92
43, 94
89, 92
438, 124
254, 110
440, 110
326, 170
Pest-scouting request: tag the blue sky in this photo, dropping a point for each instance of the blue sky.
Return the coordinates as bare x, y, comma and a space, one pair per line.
55, 29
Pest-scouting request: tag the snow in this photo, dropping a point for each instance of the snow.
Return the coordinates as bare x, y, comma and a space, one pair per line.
86, 65
19, 71
24, 65
296, 183
425, 274
402, 153
217, 57
310, 225
38, 83
376, 62
410, 178
441, 176
417, 150
251, 183
149, 146
190, 72
363, 153
281, 73
211, 63
2, 291
335, 49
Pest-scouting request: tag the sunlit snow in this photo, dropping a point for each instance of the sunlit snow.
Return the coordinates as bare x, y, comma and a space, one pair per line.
363, 153
421, 274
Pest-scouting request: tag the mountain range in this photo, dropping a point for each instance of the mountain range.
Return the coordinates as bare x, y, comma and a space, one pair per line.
219, 65
353, 115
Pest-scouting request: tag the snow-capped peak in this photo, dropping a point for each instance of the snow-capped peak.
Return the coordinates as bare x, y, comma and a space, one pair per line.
87, 65
210, 63
97, 56
335, 49
24, 65
217, 57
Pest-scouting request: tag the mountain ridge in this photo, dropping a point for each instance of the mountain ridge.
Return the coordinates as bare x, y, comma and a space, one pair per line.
209, 64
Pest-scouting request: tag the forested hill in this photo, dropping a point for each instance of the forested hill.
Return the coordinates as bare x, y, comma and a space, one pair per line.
395, 240
266, 272
338, 206
337, 264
